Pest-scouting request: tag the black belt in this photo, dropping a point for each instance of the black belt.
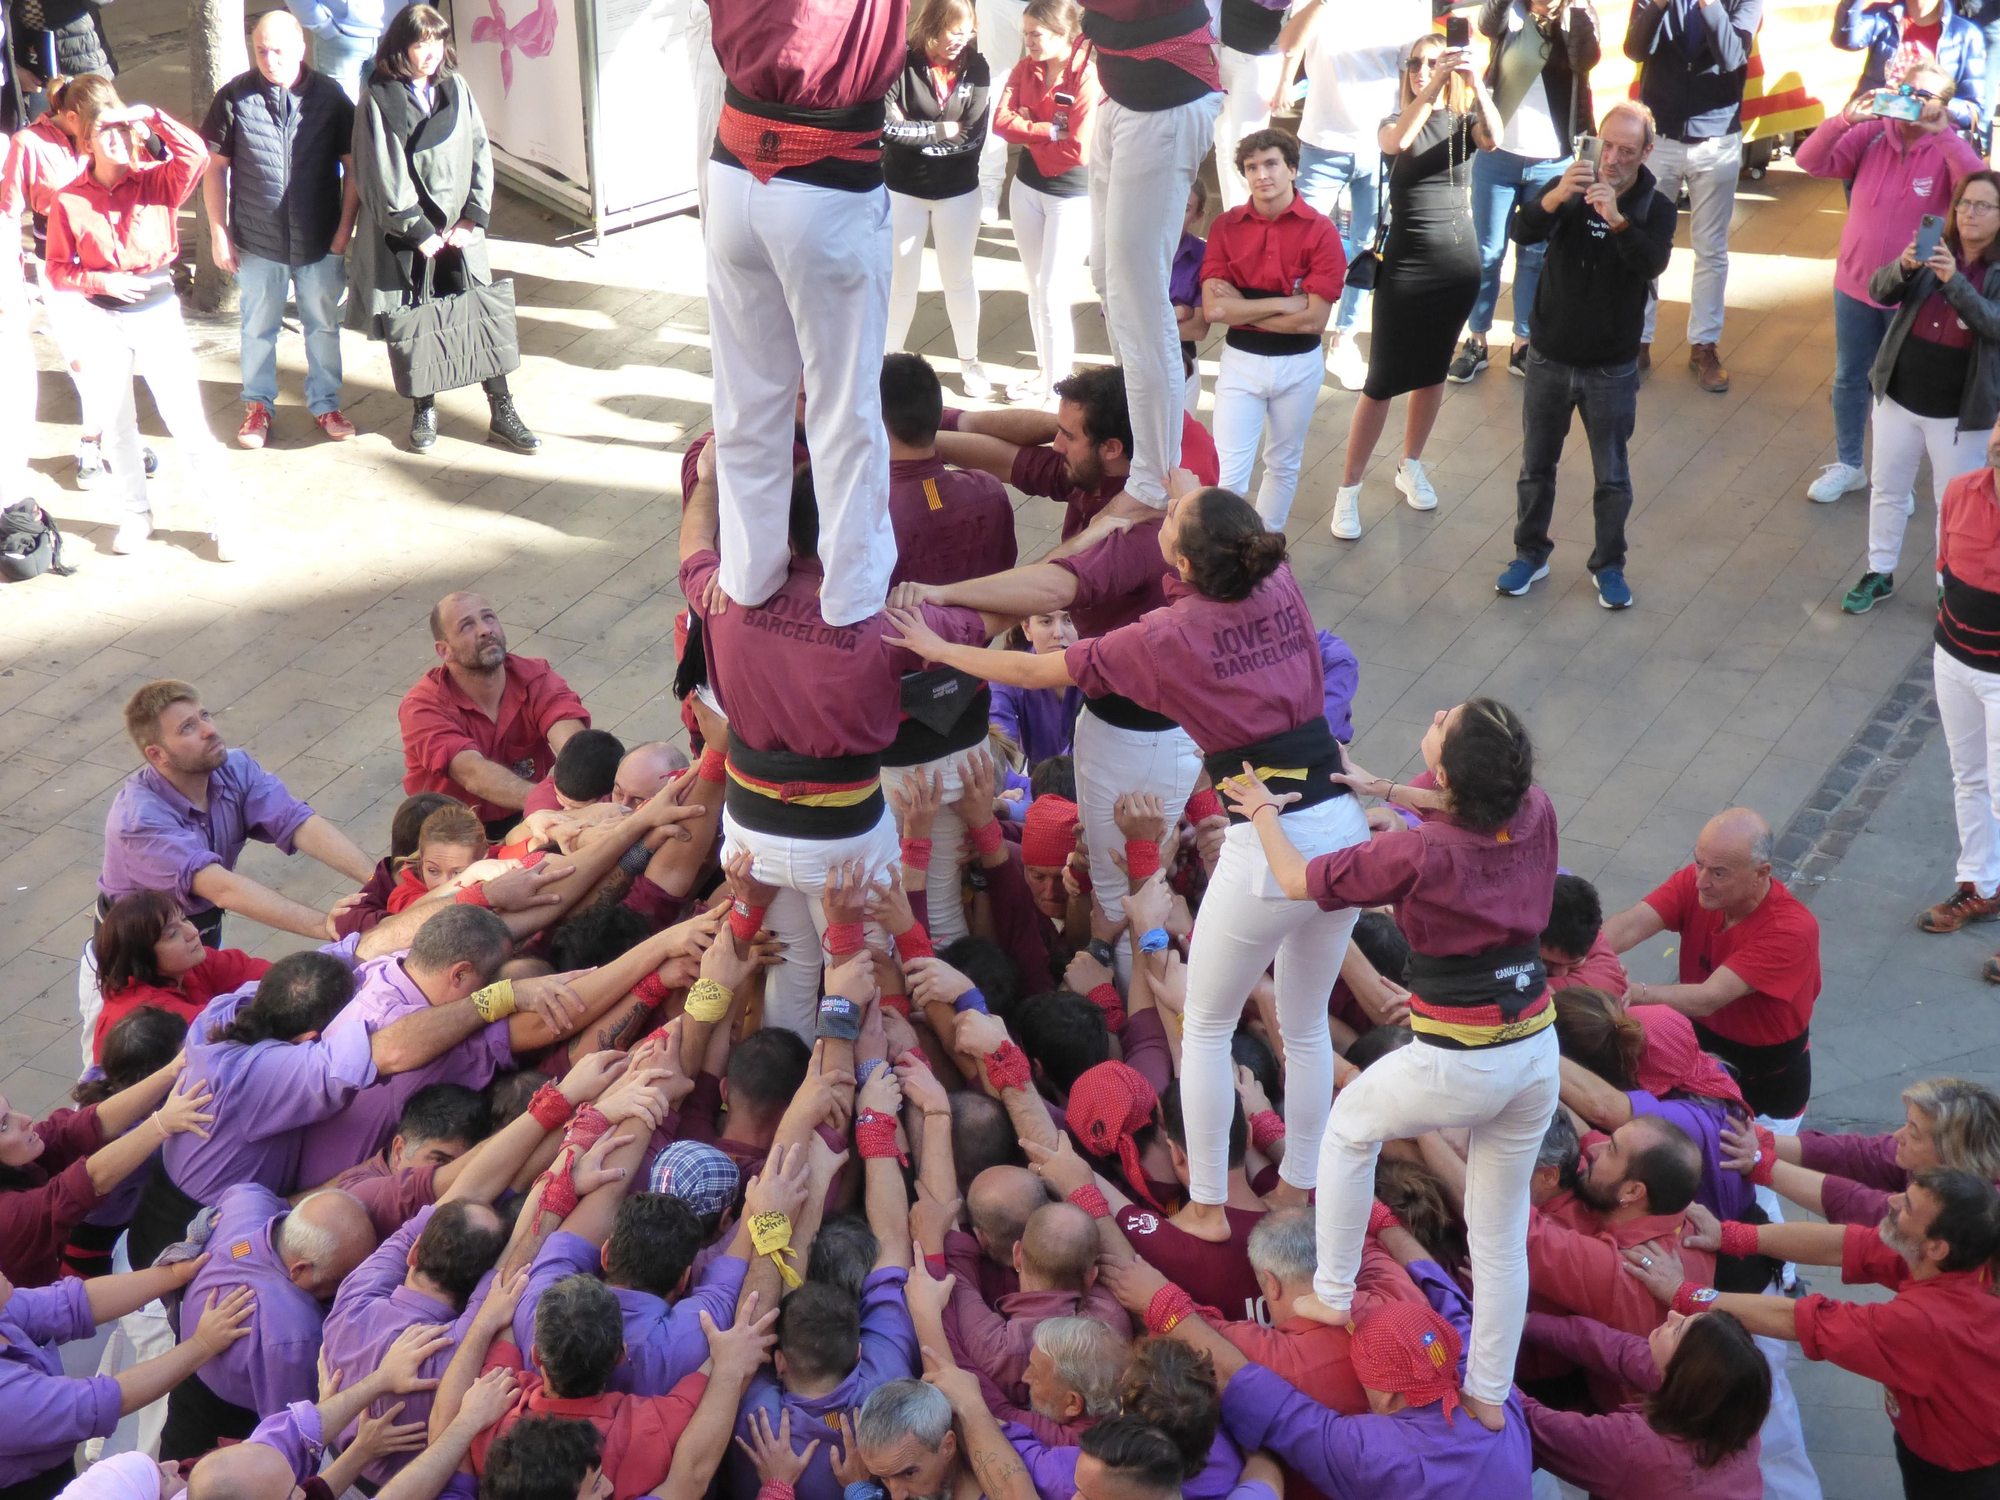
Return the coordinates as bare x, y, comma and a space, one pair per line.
1123, 713
1309, 749
803, 796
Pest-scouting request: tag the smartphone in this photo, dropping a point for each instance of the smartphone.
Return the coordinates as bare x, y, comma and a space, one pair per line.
1895, 104
1457, 31
1930, 230
1590, 148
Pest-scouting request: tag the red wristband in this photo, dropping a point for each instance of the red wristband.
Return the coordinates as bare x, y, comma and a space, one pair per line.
1692, 1297
587, 1127
558, 1193
1204, 804
1142, 858
916, 943
1739, 1239
900, 1004
1767, 1156
652, 989
550, 1107
473, 895
1267, 1127
776, 1489
1081, 874
1169, 1306
1007, 1066
917, 854
1381, 1217
986, 838
1105, 997
875, 1136
844, 938
1090, 1198
746, 921
714, 766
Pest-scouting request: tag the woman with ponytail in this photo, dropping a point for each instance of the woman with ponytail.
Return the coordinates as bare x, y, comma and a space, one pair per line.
1472, 884
1234, 659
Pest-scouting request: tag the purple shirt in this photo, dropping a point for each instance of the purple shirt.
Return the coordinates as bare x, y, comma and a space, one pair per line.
1341, 673
1184, 281
157, 840
888, 1352
48, 1413
383, 995
1229, 674
664, 1343
1724, 1193
265, 1096
1054, 1469
1416, 1452
278, 1362
295, 1432
951, 524
1040, 720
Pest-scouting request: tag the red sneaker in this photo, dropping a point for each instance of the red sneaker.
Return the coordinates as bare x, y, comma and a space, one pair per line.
256, 426
1962, 906
335, 426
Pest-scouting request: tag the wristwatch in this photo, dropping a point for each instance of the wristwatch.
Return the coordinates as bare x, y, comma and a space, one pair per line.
975, 876
1100, 950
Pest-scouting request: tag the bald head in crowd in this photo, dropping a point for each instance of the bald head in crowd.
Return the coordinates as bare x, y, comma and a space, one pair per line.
1000, 1202
1732, 863
244, 1471
1058, 1250
645, 770
324, 1238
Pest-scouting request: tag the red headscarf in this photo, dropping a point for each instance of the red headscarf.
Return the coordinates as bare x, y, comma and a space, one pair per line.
1106, 1104
1673, 1059
1048, 833
1411, 1349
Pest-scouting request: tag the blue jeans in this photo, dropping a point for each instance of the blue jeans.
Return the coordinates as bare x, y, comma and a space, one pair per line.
1500, 181
1858, 330
1323, 177
1608, 398
1989, 90
345, 58
263, 283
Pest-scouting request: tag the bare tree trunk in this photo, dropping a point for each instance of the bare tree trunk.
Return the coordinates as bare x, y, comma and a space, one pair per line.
216, 54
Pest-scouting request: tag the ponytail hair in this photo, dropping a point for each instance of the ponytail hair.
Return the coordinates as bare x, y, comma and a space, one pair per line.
1229, 550
301, 992
1594, 1031
1488, 764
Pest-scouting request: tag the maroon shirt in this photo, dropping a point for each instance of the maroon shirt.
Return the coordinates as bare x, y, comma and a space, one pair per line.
374, 903
807, 686
1043, 471
1214, 1275
1229, 674
54, 1197
813, 54
391, 1198
1118, 580
951, 524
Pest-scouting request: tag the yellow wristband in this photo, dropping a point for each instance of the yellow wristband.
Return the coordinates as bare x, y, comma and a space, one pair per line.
708, 1000
771, 1234
496, 1001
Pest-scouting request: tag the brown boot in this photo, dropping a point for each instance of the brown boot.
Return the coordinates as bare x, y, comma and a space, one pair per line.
1962, 906
1708, 371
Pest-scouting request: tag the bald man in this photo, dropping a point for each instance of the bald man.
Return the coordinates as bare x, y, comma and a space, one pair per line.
293, 1260
484, 725
281, 197
645, 770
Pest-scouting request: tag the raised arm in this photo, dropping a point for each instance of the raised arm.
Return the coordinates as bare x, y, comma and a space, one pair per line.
334, 849
244, 896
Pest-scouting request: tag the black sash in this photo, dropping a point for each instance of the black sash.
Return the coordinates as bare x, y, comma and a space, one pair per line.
1257, 341
1310, 747
1510, 978
778, 804
1123, 713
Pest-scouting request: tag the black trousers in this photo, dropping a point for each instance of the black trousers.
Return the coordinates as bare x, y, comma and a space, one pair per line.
160, 1220
1923, 1480
198, 1419
43, 1486
495, 389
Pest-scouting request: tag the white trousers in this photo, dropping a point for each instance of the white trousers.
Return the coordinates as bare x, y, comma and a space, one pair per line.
798, 868
705, 68
798, 282
954, 224
1505, 1096
152, 342
1248, 81
1109, 763
947, 906
1053, 236
1902, 438
1781, 1457
1969, 708
1244, 924
1141, 165
1709, 169
1269, 397
999, 24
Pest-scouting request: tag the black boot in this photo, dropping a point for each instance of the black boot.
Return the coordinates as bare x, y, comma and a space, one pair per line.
508, 429
424, 427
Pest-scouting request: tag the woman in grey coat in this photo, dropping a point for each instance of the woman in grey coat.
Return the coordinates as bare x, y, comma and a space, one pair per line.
425, 173
1937, 375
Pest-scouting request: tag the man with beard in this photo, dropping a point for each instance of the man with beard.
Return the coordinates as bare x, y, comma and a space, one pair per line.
180, 824
483, 725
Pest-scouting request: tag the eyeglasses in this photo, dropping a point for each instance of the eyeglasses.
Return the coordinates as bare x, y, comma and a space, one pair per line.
1924, 94
1977, 206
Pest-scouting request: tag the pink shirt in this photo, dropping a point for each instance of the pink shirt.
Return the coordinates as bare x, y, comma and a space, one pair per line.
1894, 186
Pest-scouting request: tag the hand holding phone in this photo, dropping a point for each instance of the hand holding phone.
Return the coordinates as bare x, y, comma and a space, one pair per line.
1590, 151
1930, 234
1457, 31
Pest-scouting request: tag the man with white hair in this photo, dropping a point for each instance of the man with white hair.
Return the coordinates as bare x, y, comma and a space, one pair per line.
1074, 1371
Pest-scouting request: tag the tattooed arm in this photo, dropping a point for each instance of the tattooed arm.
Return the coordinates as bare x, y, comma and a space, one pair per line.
998, 1467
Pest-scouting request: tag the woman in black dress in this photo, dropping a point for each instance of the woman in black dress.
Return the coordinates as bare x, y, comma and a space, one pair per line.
1429, 274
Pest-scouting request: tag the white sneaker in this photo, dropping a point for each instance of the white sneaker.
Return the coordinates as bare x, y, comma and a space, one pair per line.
974, 380
132, 532
1031, 390
1347, 512
1835, 480
989, 212
1345, 362
228, 543
1416, 485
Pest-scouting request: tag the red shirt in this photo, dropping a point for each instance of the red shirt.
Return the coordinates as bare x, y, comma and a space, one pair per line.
1042, 471
815, 54
543, 798
131, 227
410, 889
41, 162
1931, 1346
439, 721
1774, 950
1296, 251
1228, 674
219, 972
804, 685
1969, 518
1027, 108
951, 524
1214, 1275
1118, 580
1599, 969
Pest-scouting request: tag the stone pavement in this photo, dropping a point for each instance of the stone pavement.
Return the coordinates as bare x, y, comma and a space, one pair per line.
1735, 679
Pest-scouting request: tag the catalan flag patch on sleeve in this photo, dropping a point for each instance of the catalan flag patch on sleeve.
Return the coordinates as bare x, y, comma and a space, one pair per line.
238, 1250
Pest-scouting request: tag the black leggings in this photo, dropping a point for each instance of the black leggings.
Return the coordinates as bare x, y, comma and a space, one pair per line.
496, 389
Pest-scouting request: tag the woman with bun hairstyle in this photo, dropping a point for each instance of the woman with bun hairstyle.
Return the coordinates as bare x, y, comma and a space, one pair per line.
1472, 884
1233, 658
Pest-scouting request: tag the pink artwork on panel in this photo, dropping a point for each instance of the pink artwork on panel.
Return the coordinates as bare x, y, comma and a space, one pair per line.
534, 35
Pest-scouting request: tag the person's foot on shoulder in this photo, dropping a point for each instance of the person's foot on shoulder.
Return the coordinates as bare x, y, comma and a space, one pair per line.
1517, 361
91, 470
256, 426
1347, 512
1204, 1221
1416, 485
1708, 371
335, 425
1869, 592
507, 428
1835, 480
1961, 908
1518, 574
1310, 1306
1493, 1418
424, 428
1346, 363
1468, 362
132, 532
1645, 358
974, 379
1613, 592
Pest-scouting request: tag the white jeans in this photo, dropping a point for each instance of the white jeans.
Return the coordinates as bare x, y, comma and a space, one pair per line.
798, 282
1506, 1097
798, 868
1969, 708
1709, 168
1267, 396
947, 924
1053, 236
999, 24
1111, 762
1248, 81
1782, 1458
68, 320
706, 70
154, 342
1245, 923
954, 224
1902, 438
1141, 165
